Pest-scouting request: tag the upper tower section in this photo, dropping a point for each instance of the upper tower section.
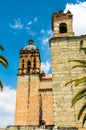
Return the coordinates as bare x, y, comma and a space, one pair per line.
62, 24
29, 59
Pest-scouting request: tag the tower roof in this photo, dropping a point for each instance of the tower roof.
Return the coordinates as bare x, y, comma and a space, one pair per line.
30, 45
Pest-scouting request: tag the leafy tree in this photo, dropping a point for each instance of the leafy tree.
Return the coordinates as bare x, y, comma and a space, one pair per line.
82, 93
4, 62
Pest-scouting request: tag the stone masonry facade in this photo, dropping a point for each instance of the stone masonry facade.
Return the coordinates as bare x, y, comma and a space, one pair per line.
34, 101
44, 99
65, 46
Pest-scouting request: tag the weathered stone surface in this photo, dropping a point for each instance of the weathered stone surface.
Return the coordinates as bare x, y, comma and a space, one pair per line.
65, 47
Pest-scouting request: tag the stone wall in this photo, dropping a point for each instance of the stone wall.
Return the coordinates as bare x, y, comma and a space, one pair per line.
25, 128
30, 109
22, 101
27, 103
47, 101
62, 50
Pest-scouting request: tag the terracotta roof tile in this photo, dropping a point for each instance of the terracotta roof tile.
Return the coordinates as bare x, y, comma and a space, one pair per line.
47, 76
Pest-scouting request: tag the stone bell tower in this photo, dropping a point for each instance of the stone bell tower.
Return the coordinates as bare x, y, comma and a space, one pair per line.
62, 24
27, 103
65, 46
29, 59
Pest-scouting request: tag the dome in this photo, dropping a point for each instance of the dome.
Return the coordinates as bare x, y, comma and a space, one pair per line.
30, 45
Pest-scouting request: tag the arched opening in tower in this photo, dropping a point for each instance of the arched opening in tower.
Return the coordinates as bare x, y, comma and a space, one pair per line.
28, 66
63, 28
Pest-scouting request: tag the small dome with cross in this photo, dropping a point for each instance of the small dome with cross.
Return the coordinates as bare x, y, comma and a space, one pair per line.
30, 46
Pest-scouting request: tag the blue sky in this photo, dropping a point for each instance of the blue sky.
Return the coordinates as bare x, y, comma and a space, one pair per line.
21, 20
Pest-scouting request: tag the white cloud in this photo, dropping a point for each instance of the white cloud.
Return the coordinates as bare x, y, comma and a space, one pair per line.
45, 40
78, 1
35, 19
46, 67
49, 32
15, 33
17, 24
42, 31
79, 17
29, 23
30, 31
32, 21
7, 106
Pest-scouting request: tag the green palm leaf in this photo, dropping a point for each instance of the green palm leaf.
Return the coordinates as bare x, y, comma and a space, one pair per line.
84, 120
82, 93
3, 61
1, 86
1, 48
77, 81
70, 82
81, 66
79, 96
81, 111
83, 48
79, 61
80, 80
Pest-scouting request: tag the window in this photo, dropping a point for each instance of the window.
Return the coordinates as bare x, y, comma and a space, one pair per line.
81, 43
63, 28
23, 66
28, 65
34, 62
23, 61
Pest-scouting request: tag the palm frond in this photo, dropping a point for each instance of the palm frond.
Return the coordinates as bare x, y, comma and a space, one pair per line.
3, 61
79, 96
77, 81
83, 48
1, 86
84, 120
80, 80
71, 81
81, 111
79, 61
1, 48
77, 66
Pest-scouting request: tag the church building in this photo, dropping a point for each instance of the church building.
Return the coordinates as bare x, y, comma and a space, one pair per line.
34, 100
44, 99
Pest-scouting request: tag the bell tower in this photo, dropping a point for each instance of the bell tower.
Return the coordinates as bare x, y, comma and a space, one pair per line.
27, 97
29, 59
63, 47
62, 24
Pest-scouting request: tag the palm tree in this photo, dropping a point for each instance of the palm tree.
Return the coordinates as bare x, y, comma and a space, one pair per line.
4, 62
82, 93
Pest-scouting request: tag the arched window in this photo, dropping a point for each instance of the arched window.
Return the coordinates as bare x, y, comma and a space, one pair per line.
23, 66
63, 28
23, 61
34, 62
28, 66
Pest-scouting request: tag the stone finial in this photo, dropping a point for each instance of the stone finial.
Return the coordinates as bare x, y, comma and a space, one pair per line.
30, 42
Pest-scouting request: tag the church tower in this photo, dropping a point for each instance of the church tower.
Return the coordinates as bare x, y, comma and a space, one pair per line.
62, 24
29, 59
65, 46
27, 103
